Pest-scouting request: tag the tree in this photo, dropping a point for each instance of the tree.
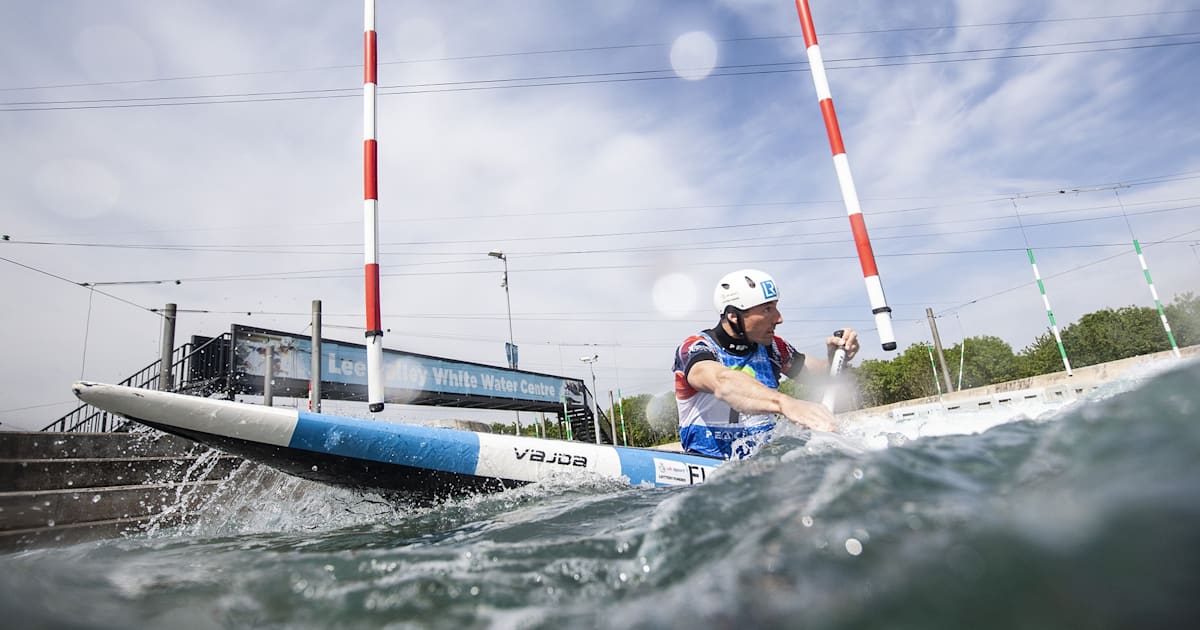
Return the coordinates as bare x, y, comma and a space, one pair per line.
987, 360
909, 375
1040, 357
876, 381
1184, 316
650, 420
1112, 334
1109, 335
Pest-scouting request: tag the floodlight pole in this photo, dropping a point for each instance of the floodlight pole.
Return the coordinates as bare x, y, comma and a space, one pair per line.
512, 353
591, 361
512, 347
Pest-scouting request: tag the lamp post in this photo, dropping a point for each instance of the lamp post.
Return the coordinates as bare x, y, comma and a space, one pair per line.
591, 361
511, 350
512, 347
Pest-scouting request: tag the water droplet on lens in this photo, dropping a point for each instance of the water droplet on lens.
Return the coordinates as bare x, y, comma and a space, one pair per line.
95, 498
858, 473
806, 521
853, 546
474, 590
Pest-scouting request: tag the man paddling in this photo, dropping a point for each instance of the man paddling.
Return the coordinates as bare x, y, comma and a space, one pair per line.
727, 377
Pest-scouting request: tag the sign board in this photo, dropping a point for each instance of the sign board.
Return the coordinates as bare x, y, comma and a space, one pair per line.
408, 378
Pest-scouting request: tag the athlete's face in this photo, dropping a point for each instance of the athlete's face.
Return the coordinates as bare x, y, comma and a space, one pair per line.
760, 322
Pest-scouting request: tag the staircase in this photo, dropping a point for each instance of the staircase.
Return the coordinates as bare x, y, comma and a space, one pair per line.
583, 429
64, 488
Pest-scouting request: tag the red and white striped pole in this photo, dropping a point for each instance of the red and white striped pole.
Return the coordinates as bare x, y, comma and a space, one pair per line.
374, 330
883, 313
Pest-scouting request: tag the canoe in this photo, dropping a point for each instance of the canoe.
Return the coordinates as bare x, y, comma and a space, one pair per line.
419, 461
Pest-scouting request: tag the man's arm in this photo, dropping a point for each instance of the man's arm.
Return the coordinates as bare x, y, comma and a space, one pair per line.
744, 393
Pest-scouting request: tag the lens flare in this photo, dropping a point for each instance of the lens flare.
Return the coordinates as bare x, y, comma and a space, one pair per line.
674, 295
693, 55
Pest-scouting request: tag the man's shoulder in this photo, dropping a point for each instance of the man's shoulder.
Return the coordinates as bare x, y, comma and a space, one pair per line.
785, 352
699, 338
785, 355
699, 343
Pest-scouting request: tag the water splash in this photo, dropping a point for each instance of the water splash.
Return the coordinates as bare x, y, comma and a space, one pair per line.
1055, 511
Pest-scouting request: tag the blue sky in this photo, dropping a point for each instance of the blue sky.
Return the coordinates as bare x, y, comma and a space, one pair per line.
209, 142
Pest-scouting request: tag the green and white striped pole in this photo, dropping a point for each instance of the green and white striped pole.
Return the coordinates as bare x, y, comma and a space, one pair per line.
936, 382
621, 412
962, 355
1049, 313
1137, 247
962, 351
567, 417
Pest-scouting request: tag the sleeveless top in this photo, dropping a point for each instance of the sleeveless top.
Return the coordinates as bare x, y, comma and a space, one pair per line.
707, 425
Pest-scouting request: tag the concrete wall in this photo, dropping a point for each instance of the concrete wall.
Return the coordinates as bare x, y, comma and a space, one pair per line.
1047, 388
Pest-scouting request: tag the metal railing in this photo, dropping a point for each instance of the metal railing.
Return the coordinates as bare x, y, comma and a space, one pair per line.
186, 361
583, 422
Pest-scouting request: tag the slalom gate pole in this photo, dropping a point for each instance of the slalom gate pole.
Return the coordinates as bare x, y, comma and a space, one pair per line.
1162, 315
835, 366
567, 418
374, 327
621, 411
1049, 313
962, 356
841, 163
1137, 247
933, 368
612, 420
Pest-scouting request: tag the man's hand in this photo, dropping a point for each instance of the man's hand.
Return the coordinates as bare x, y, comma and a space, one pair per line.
848, 342
808, 414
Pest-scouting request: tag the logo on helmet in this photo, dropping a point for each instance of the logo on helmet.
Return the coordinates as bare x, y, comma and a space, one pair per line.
769, 292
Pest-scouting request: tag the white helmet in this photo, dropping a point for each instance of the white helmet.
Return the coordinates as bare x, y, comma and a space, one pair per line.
743, 289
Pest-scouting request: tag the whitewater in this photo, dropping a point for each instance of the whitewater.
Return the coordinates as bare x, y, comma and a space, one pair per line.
1084, 514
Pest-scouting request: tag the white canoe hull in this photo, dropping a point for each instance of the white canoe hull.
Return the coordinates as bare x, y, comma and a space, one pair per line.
381, 456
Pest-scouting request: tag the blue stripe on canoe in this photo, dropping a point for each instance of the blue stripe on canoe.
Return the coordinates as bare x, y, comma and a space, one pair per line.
638, 464
421, 447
